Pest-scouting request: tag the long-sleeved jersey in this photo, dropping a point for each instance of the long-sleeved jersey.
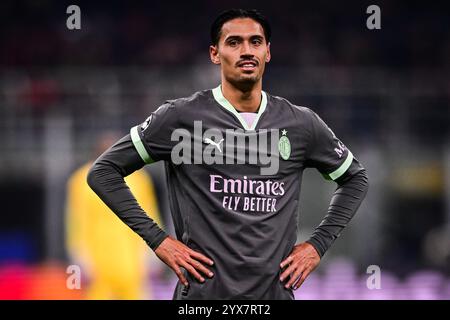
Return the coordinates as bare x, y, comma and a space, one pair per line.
234, 187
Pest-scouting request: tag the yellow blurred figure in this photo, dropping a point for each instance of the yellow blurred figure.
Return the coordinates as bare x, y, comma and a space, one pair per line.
114, 258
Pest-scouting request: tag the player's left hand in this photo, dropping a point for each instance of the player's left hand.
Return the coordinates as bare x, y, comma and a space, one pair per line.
301, 262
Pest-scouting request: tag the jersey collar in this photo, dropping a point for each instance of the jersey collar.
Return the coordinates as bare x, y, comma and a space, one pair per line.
218, 96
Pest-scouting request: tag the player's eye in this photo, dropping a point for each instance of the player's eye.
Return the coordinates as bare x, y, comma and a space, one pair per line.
233, 43
257, 42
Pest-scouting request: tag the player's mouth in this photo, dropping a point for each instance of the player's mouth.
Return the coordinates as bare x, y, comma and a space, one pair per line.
247, 65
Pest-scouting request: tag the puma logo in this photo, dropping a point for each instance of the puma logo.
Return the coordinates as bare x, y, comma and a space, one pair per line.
209, 141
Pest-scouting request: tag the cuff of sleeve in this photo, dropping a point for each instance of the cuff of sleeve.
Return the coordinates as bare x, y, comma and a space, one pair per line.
316, 244
157, 239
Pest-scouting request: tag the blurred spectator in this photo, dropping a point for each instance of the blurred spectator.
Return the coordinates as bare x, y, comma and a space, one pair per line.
110, 255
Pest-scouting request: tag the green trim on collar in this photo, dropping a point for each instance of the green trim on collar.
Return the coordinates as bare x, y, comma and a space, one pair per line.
218, 96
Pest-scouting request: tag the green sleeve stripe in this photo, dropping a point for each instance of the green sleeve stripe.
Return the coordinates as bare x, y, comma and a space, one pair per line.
139, 145
341, 170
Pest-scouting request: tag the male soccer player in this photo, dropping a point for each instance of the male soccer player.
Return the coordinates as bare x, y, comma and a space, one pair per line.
234, 159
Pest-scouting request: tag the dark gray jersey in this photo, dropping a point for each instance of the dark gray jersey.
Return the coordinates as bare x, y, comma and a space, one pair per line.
223, 203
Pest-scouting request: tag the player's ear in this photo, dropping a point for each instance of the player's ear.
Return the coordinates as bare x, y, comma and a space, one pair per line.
268, 55
214, 54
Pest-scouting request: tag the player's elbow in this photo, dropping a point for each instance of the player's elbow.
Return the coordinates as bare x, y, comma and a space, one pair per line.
93, 177
103, 177
358, 181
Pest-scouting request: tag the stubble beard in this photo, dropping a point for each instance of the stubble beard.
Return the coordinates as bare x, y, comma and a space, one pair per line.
245, 82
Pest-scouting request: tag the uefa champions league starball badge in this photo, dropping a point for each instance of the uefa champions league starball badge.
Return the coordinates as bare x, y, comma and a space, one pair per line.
146, 123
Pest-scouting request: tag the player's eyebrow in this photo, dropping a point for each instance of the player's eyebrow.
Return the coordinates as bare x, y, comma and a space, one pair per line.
257, 36
233, 37
240, 38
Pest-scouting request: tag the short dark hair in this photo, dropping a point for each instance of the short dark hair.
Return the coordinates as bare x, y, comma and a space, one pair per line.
225, 16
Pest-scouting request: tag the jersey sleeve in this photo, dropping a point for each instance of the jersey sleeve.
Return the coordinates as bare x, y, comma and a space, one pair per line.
152, 138
326, 152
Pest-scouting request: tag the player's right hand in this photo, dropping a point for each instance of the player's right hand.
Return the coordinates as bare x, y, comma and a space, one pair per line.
177, 255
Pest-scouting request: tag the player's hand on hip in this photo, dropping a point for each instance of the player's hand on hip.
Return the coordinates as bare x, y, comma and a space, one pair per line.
177, 255
300, 263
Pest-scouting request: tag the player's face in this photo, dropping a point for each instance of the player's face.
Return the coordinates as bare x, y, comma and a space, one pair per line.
242, 51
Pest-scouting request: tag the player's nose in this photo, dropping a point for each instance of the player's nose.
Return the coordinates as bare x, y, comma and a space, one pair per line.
246, 49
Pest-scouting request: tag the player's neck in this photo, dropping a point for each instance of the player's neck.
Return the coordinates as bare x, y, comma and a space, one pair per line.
247, 100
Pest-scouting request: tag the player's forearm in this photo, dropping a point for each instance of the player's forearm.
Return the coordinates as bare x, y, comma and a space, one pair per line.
106, 178
345, 202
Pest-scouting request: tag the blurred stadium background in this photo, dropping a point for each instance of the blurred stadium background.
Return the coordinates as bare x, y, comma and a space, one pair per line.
384, 92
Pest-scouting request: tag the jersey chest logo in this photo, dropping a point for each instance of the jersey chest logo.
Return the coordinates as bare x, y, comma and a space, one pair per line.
209, 141
284, 145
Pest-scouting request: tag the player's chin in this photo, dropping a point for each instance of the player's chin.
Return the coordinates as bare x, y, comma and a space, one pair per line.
249, 77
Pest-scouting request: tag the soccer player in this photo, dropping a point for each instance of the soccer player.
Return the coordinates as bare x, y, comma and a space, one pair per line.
234, 158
